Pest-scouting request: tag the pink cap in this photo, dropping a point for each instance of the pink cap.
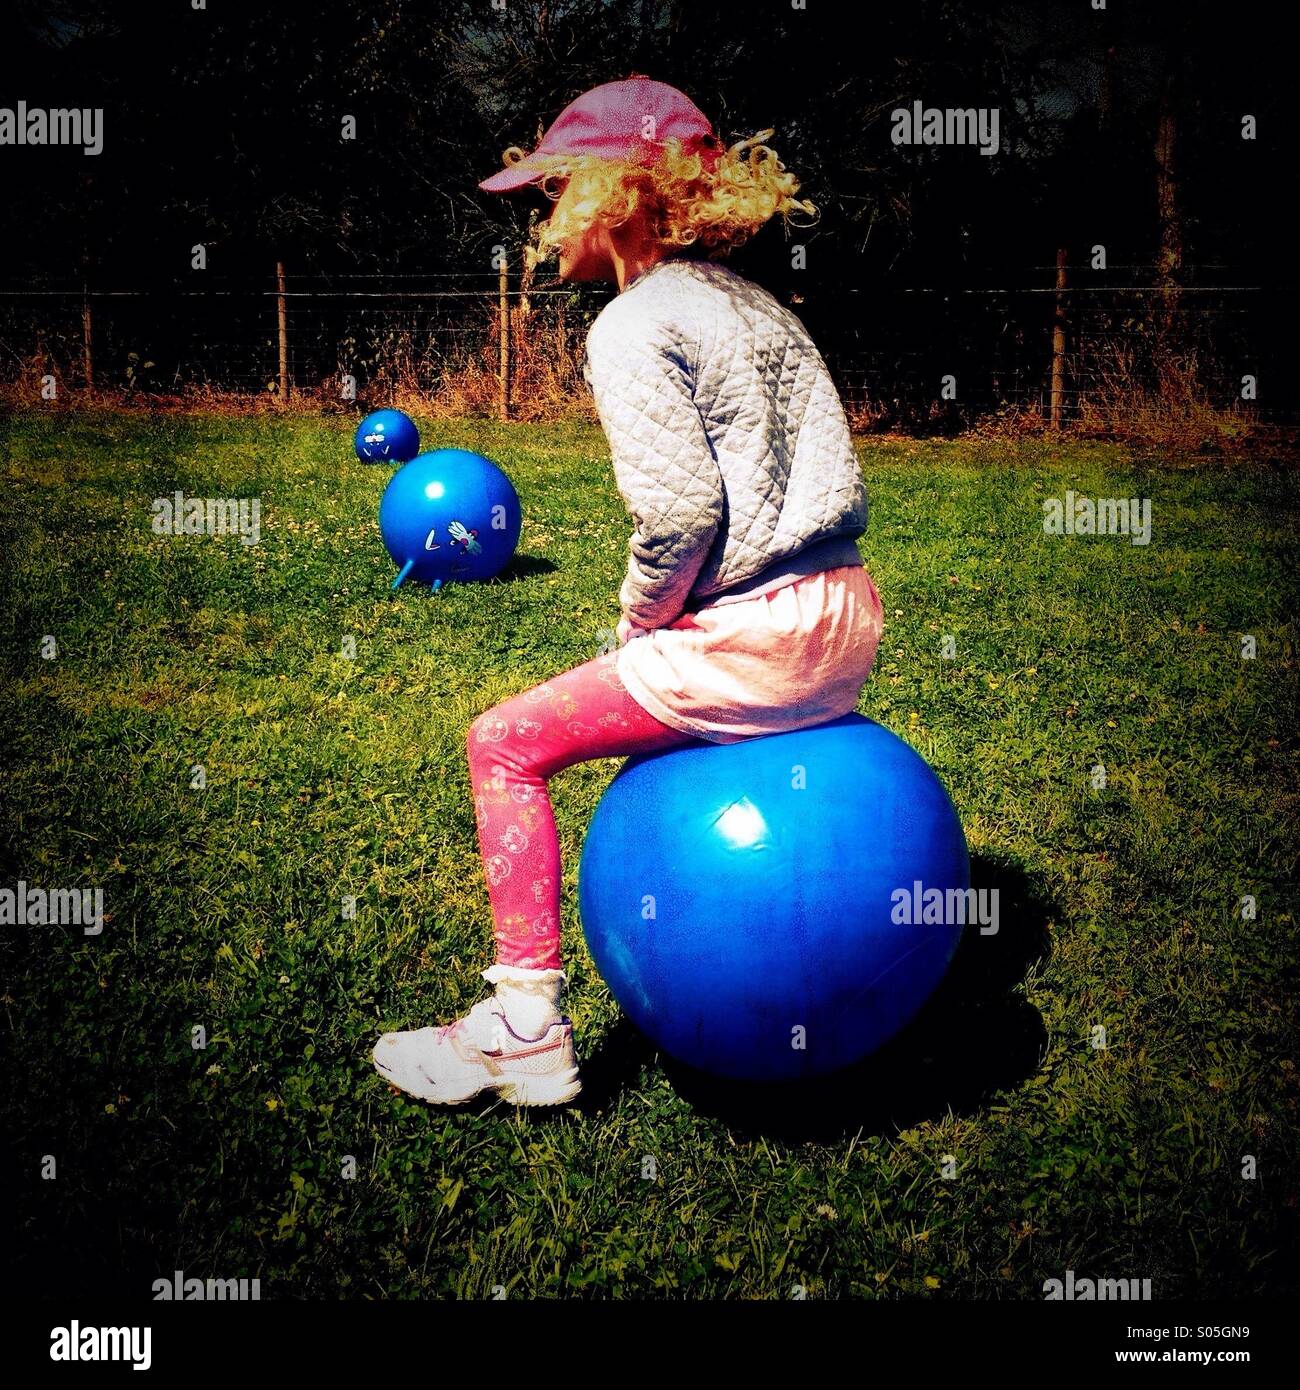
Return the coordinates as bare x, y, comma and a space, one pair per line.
619, 120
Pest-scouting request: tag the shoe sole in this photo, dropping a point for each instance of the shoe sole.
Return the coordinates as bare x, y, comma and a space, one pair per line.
539, 1090
557, 1088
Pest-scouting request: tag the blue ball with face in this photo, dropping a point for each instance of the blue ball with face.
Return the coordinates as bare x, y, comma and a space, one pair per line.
387, 436
450, 515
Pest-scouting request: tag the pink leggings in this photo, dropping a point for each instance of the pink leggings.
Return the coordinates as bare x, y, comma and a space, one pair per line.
513, 748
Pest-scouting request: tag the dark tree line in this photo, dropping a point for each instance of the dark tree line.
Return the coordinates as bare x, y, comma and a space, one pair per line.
224, 124
223, 127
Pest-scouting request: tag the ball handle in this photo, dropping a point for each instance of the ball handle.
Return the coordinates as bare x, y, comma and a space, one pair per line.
405, 570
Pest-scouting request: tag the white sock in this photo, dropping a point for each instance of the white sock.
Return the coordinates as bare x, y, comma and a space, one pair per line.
530, 998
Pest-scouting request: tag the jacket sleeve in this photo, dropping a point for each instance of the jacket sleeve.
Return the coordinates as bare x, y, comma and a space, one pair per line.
664, 464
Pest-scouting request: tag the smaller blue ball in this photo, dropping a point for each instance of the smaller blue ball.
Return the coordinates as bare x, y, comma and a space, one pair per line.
387, 436
453, 515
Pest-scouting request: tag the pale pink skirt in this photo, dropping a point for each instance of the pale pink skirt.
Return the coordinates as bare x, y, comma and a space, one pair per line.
784, 660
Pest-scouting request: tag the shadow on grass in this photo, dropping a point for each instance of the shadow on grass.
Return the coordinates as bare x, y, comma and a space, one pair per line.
521, 567
525, 567
976, 1036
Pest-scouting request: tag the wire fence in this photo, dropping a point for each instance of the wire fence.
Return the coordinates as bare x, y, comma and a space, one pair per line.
930, 357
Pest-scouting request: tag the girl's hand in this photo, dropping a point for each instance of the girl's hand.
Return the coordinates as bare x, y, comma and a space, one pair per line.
627, 630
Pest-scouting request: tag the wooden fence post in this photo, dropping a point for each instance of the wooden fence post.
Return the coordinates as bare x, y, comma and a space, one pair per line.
87, 340
503, 332
1058, 344
282, 313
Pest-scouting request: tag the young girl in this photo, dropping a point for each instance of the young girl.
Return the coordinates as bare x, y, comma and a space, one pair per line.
746, 609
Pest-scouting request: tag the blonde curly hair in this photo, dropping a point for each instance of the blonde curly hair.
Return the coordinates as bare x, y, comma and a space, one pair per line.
689, 204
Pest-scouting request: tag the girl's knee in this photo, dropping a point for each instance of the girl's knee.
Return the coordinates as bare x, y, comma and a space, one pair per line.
487, 734
493, 738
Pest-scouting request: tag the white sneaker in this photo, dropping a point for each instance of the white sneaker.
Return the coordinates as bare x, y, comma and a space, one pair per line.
481, 1052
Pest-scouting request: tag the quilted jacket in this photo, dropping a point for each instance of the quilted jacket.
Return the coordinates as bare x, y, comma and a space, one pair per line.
729, 442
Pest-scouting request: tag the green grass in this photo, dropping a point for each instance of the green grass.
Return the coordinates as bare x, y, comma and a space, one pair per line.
328, 776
